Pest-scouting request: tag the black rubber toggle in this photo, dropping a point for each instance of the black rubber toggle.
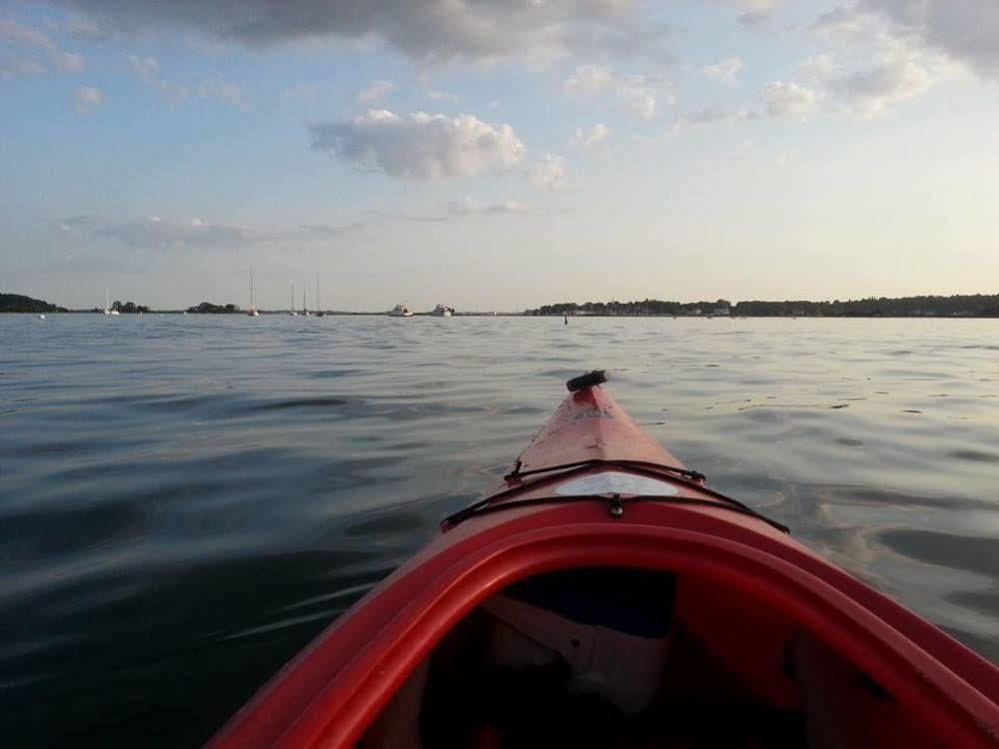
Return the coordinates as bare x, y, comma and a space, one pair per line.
587, 380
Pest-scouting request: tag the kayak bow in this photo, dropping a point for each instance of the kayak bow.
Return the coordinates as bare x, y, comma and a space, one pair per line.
603, 595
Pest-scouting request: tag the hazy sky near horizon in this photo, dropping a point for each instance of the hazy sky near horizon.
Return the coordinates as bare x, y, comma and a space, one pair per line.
497, 154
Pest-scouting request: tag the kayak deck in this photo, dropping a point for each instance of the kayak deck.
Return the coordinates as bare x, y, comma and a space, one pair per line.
604, 596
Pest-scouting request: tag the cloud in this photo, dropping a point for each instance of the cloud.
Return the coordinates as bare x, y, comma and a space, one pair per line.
897, 75
869, 92
843, 21
750, 6
440, 95
753, 18
156, 233
375, 92
818, 68
789, 100
147, 67
39, 52
428, 30
549, 173
87, 98
581, 139
71, 62
420, 145
25, 36
725, 71
85, 30
638, 93
20, 68
227, 91
706, 116
587, 80
965, 30
470, 207
712, 114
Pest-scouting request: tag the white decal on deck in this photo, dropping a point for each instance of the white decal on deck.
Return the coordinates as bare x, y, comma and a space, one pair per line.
613, 482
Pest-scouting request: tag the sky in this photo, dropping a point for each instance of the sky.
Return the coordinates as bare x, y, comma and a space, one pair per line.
497, 154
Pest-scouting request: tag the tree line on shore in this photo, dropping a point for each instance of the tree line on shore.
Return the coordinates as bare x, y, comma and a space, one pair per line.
961, 305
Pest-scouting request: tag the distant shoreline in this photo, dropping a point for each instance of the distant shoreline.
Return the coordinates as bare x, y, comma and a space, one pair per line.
955, 306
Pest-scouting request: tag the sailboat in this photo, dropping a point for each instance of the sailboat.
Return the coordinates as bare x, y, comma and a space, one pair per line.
305, 309
107, 304
319, 311
292, 311
252, 312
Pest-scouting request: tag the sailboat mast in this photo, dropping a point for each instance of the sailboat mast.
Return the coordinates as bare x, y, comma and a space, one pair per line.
251, 287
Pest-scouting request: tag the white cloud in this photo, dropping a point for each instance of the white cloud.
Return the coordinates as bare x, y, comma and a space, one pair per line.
470, 207
582, 139
587, 80
753, 18
818, 68
789, 100
227, 91
706, 116
750, 6
897, 74
966, 30
147, 67
844, 21
869, 92
638, 93
20, 68
725, 71
39, 52
440, 95
85, 30
548, 173
712, 114
71, 62
420, 145
428, 30
377, 91
88, 97
25, 36
156, 233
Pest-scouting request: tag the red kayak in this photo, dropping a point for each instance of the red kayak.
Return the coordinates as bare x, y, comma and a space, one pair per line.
603, 596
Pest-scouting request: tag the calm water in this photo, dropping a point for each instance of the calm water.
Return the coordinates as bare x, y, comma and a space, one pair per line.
186, 501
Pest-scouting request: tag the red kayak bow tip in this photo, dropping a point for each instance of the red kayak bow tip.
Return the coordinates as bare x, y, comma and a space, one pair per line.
604, 596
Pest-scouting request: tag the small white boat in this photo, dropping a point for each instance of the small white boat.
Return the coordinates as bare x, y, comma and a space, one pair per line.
107, 304
252, 312
319, 311
442, 310
41, 317
400, 310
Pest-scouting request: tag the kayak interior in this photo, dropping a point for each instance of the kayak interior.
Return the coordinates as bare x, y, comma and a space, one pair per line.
627, 657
